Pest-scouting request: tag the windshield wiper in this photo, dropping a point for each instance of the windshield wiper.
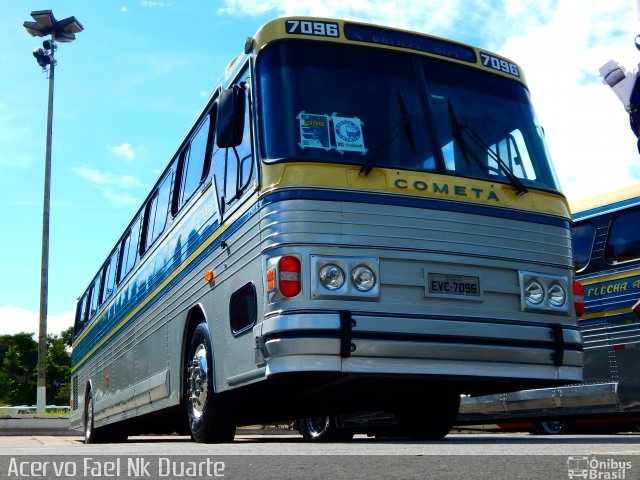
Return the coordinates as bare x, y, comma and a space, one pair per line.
458, 134
403, 122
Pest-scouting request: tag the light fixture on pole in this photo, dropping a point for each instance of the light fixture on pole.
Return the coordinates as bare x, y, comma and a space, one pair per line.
61, 31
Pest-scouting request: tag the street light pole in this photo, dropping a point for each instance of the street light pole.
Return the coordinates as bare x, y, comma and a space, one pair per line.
41, 391
63, 31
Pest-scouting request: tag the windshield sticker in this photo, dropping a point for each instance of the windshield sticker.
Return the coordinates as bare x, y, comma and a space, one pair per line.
348, 133
314, 131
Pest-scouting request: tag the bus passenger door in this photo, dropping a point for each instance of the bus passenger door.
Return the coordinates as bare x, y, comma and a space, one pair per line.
235, 303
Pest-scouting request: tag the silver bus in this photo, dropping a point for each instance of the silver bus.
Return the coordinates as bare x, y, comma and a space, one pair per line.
360, 218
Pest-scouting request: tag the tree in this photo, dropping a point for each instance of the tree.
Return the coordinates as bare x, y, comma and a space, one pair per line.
58, 367
18, 363
8, 388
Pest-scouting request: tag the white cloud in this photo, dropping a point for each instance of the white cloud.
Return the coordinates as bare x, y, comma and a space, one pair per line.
488, 19
148, 3
16, 320
92, 175
130, 181
587, 129
121, 198
97, 177
125, 150
111, 185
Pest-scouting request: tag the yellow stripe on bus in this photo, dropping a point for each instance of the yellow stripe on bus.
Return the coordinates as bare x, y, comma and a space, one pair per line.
605, 313
419, 184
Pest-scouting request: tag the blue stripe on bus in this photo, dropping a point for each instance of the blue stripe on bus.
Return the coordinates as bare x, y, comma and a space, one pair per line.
110, 320
609, 320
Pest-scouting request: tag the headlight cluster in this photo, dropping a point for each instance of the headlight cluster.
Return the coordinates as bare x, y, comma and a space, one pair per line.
345, 277
544, 292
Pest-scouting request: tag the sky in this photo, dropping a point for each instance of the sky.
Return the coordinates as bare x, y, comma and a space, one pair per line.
129, 87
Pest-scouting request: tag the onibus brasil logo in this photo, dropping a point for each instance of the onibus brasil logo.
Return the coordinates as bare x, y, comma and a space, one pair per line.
597, 468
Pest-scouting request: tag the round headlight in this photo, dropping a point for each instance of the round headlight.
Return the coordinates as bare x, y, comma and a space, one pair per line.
533, 292
363, 278
331, 277
557, 295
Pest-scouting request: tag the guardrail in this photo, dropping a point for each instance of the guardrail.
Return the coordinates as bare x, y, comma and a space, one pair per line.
32, 410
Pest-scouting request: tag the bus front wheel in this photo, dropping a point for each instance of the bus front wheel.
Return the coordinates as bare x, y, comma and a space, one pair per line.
208, 412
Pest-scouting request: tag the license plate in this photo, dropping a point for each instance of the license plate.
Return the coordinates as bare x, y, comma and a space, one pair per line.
444, 284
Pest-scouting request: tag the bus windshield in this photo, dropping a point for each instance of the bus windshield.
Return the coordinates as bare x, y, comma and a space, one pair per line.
377, 108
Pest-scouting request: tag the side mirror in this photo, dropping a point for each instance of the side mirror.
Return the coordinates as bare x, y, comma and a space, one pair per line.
230, 121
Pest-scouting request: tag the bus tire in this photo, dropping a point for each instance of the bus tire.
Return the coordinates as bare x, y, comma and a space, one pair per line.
208, 412
108, 434
88, 425
431, 420
552, 427
322, 429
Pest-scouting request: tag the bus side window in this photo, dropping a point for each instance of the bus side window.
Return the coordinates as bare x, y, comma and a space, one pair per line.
239, 169
193, 164
81, 315
155, 218
582, 238
109, 279
623, 243
129, 250
95, 296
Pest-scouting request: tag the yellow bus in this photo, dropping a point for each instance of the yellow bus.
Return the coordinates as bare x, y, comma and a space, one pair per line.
360, 218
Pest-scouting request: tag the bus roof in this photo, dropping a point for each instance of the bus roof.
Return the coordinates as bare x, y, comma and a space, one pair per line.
379, 36
606, 202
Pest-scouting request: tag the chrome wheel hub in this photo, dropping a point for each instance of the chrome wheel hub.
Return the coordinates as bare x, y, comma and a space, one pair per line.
198, 381
317, 426
88, 422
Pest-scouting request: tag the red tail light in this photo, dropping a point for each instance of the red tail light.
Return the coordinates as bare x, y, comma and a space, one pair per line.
578, 298
289, 276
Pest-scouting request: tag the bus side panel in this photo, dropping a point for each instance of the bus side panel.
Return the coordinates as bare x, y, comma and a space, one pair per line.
237, 269
628, 361
131, 356
612, 332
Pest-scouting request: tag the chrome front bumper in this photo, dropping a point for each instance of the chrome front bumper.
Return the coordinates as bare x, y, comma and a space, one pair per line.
351, 342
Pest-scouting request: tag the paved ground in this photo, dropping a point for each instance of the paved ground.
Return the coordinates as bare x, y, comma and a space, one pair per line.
285, 444
281, 456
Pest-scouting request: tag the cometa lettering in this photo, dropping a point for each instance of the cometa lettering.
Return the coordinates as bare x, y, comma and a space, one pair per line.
446, 189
